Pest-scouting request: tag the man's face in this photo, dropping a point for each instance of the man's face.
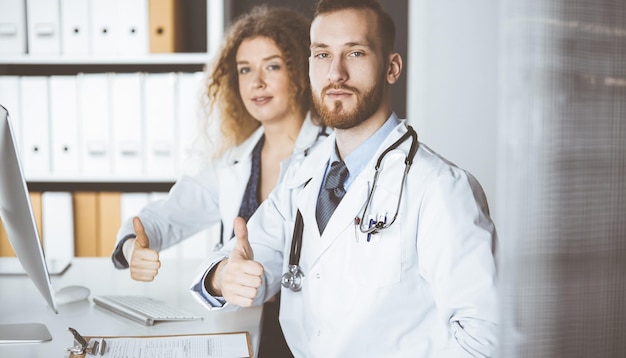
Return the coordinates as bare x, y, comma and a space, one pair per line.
346, 69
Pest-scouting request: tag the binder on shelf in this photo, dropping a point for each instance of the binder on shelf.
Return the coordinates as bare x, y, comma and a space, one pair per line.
43, 27
127, 122
133, 27
57, 225
85, 223
6, 250
104, 30
35, 126
10, 99
160, 129
64, 126
13, 27
36, 204
164, 18
95, 140
189, 92
108, 221
74, 27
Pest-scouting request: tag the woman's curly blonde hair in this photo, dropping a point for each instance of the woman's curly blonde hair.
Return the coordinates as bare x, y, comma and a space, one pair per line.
289, 30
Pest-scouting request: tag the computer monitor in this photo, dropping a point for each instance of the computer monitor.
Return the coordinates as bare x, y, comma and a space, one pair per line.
19, 223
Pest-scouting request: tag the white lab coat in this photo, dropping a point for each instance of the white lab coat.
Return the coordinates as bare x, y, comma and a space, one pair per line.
425, 287
214, 194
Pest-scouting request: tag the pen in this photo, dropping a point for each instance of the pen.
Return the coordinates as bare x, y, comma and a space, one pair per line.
369, 234
357, 223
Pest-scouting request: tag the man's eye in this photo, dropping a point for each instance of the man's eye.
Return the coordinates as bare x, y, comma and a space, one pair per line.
356, 54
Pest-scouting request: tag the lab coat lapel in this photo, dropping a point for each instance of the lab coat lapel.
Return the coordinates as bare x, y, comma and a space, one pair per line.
233, 178
349, 208
342, 222
311, 171
310, 174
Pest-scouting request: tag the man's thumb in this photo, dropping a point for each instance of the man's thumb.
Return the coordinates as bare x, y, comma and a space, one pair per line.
142, 239
242, 245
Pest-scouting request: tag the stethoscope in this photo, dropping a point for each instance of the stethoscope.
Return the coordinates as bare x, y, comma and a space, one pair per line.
322, 132
292, 279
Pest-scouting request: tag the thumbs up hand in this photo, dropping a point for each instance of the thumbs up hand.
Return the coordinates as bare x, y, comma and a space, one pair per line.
239, 277
242, 249
144, 262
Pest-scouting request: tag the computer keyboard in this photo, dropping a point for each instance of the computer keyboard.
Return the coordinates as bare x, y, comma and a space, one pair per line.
143, 309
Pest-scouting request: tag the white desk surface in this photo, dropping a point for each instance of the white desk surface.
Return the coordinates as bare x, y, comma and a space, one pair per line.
20, 302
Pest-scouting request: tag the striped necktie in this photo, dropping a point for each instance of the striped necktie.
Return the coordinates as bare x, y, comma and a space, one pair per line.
331, 194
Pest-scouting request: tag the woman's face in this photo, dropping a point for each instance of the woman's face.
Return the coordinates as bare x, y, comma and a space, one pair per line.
263, 79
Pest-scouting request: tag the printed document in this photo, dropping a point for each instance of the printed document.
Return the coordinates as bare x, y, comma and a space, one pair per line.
213, 345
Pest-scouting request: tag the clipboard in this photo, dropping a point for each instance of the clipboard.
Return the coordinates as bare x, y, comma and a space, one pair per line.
227, 344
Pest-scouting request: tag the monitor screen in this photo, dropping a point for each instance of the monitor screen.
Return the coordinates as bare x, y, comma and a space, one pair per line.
17, 213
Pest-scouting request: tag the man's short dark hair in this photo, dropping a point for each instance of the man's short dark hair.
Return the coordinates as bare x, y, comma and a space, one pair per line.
386, 26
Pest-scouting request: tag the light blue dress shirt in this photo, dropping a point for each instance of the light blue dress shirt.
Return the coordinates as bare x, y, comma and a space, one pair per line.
358, 159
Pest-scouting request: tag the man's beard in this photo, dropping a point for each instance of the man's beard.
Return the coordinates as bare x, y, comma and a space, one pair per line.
366, 105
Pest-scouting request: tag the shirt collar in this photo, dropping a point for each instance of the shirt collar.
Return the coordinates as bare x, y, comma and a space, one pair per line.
358, 159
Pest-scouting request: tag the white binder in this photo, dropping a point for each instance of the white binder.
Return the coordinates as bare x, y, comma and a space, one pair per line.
161, 129
43, 27
57, 225
133, 27
104, 29
13, 27
93, 112
64, 126
127, 122
35, 125
190, 90
10, 99
74, 27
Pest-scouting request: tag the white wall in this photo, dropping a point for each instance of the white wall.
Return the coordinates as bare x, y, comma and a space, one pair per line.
452, 83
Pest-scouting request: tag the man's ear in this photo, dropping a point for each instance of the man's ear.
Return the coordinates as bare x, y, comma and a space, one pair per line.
394, 69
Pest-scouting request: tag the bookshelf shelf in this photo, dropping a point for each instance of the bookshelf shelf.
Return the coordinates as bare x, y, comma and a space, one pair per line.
148, 59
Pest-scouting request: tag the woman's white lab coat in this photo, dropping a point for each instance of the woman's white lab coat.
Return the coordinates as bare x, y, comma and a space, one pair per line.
425, 287
214, 194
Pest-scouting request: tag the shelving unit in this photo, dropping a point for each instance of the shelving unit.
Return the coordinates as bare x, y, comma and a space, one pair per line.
216, 11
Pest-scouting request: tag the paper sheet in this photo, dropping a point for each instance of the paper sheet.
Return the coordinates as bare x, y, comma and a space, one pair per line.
214, 346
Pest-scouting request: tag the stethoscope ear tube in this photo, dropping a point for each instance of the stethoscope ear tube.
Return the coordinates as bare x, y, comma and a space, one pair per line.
296, 242
292, 279
220, 244
413, 149
380, 225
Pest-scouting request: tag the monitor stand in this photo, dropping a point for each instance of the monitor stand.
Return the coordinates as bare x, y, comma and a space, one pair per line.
24, 333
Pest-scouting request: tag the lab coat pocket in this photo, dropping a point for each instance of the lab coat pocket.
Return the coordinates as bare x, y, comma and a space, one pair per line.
377, 262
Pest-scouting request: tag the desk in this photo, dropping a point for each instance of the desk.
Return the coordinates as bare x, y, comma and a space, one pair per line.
20, 302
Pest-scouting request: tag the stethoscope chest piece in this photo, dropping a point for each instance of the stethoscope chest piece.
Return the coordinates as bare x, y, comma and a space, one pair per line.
292, 279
